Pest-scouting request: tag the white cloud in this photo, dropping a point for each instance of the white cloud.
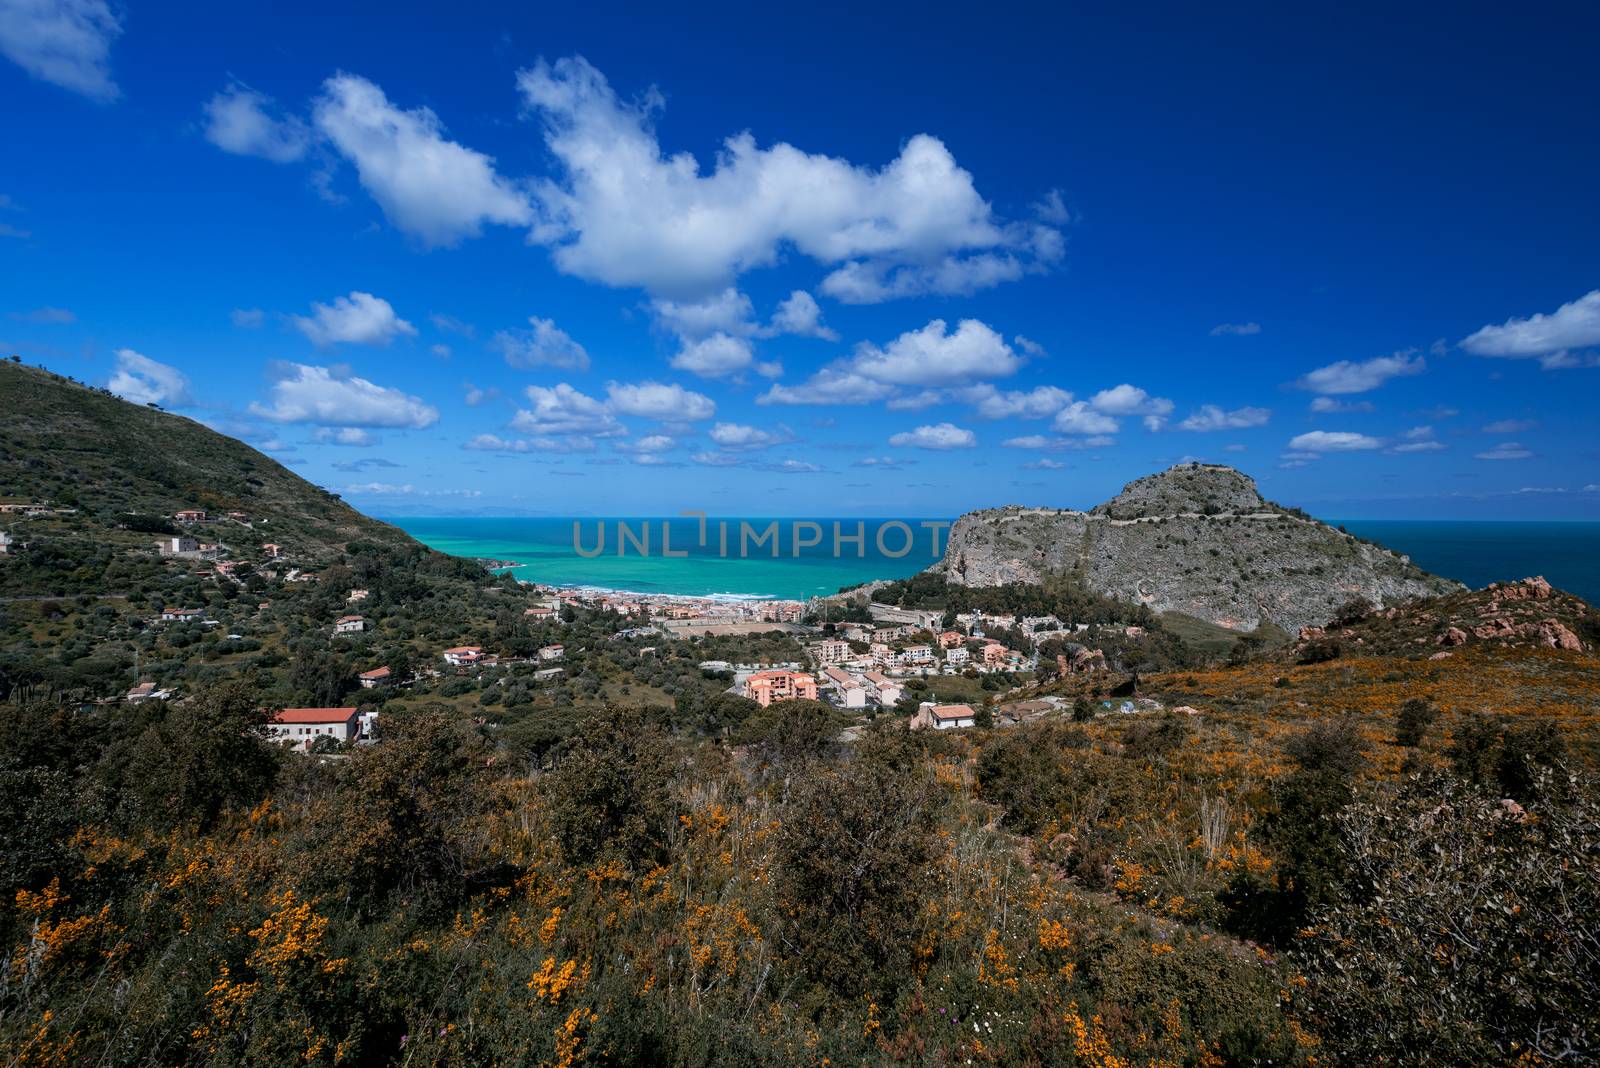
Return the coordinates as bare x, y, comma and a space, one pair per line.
933, 356
543, 345
142, 380
440, 350
738, 436
359, 319
1510, 426
801, 315
432, 188
1052, 208
1029, 346
1045, 442
63, 42
1079, 418
873, 282
1319, 441
248, 318
475, 396
1210, 417
352, 436
668, 403
1348, 376
717, 459
310, 394
883, 463
624, 214
1236, 329
1420, 446
560, 410
238, 120
1330, 405
1575, 325
726, 311
495, 443
1129, 400
829, 386
1510, 450
792, 467
938, 436
715, 357
1041, 402
914, 402
1044, 463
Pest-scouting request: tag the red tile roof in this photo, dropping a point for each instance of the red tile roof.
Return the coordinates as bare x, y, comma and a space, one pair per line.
315, 715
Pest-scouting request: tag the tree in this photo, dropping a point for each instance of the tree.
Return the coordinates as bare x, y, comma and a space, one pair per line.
608, 795
854, 846
1413, 721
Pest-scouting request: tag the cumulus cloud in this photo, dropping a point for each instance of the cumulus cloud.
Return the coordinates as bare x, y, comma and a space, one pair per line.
1320, 441
1235, 329
914, 402
622, 213
544, 344
668, 403
937, 436
1130, 400
716, 356
936, 356
1510, 450
240, 120
1348, 376
1080, 418
434, 189
829, 386
560, 410
1574, 325
801, 315
359, 319
1210, 417
352, 436
142, 380
1418, 439
309, 394
737, 437
63, 42
1041, 402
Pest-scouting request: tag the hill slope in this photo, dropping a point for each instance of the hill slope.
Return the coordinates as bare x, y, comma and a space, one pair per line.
1197, 539
74, 446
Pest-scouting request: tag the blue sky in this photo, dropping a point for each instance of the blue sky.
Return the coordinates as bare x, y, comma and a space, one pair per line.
612, 261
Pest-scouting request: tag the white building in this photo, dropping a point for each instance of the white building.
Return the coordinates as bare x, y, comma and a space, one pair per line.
302, 726
177, 545
552, 652
182, 615
957, 656
943, 717
5, 543
463, 655
882, 689
848, 691
349, 625
831, 652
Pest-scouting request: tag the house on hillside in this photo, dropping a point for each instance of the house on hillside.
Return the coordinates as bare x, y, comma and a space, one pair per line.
146, 691
881, 689
272, 551
951, 638
356, 595
190, 515
182, 615
178, 545
349, 625
5, 543
552, 652
302, 726
765, 687
831, 652
463, 655
376, 677
943, 717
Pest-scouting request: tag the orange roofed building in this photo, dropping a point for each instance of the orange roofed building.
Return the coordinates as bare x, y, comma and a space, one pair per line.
302, 726
765, 687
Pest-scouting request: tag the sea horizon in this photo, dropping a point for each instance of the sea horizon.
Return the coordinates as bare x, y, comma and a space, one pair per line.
1474, 552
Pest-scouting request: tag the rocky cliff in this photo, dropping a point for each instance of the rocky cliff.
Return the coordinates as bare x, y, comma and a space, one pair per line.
1197, 539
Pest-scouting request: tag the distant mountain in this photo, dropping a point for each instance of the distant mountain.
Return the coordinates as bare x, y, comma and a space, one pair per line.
1197, 539
123, 465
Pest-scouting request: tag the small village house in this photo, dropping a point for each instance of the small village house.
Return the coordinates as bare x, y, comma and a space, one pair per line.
190, 515
463, 655
957, 656
552, 652
182, 615
943, 717
371, 680
302, 726
349, 625
881, 689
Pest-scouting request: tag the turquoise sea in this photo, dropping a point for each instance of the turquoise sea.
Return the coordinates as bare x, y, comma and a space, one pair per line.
1477, 553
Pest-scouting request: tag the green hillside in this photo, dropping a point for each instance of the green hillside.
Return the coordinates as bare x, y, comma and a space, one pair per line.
74, 446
